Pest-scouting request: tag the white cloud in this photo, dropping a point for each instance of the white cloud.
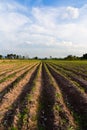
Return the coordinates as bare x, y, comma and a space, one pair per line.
62, 29
72, 12
12, 21
67, 43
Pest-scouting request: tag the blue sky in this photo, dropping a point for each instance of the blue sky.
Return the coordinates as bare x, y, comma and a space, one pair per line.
76, 3
43, 27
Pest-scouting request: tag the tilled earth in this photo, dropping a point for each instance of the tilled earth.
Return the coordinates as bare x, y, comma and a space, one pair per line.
39, 96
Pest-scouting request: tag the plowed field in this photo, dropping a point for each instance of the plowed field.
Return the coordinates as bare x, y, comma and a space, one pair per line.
43, 95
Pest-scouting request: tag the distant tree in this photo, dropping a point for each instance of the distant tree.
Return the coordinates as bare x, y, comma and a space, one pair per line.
9, 56
1, 56
45, 58
35, 58
23, 57
84, 56
50, 57
12, 56
17, 56
70, 57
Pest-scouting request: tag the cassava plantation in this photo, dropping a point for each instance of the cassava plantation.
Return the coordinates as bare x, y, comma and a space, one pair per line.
43, 95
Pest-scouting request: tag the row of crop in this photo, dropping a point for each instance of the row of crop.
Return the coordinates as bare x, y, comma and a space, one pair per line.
43, 98
62, 119
14, 98
6, 81
77, 80
73, 97
11, 70
76, 66
73, 69
16, 80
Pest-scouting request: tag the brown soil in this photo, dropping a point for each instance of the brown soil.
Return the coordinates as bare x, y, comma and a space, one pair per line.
40, 97
47, 100
50, 117
79, 80
74, 98
33, 102
13, 98
18, 77
63, 118
10, 81
79, 74
9, 68
13, 71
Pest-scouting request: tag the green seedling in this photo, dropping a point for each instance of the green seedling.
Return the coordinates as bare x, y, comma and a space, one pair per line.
58, 95
64, 121
13, 128
70, 128
58, 108
41, 128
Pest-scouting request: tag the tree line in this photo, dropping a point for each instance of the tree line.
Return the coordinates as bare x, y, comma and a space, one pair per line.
69, 57
15, 56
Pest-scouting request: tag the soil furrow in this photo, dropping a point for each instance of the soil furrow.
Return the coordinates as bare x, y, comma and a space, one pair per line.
80, 74
10, 67
6, 67
12, 99
28, 109
63, 119
12, 74
10, 70
82, 83
14, 83
10, 81
47, 100
23, 109
74, 98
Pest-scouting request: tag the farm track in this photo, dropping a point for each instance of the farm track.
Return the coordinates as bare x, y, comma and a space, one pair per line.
18, 98
17, 79
53, 113
82, 83
73, 97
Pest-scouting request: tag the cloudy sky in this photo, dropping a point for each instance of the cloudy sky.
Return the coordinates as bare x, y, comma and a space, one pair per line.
43, 27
